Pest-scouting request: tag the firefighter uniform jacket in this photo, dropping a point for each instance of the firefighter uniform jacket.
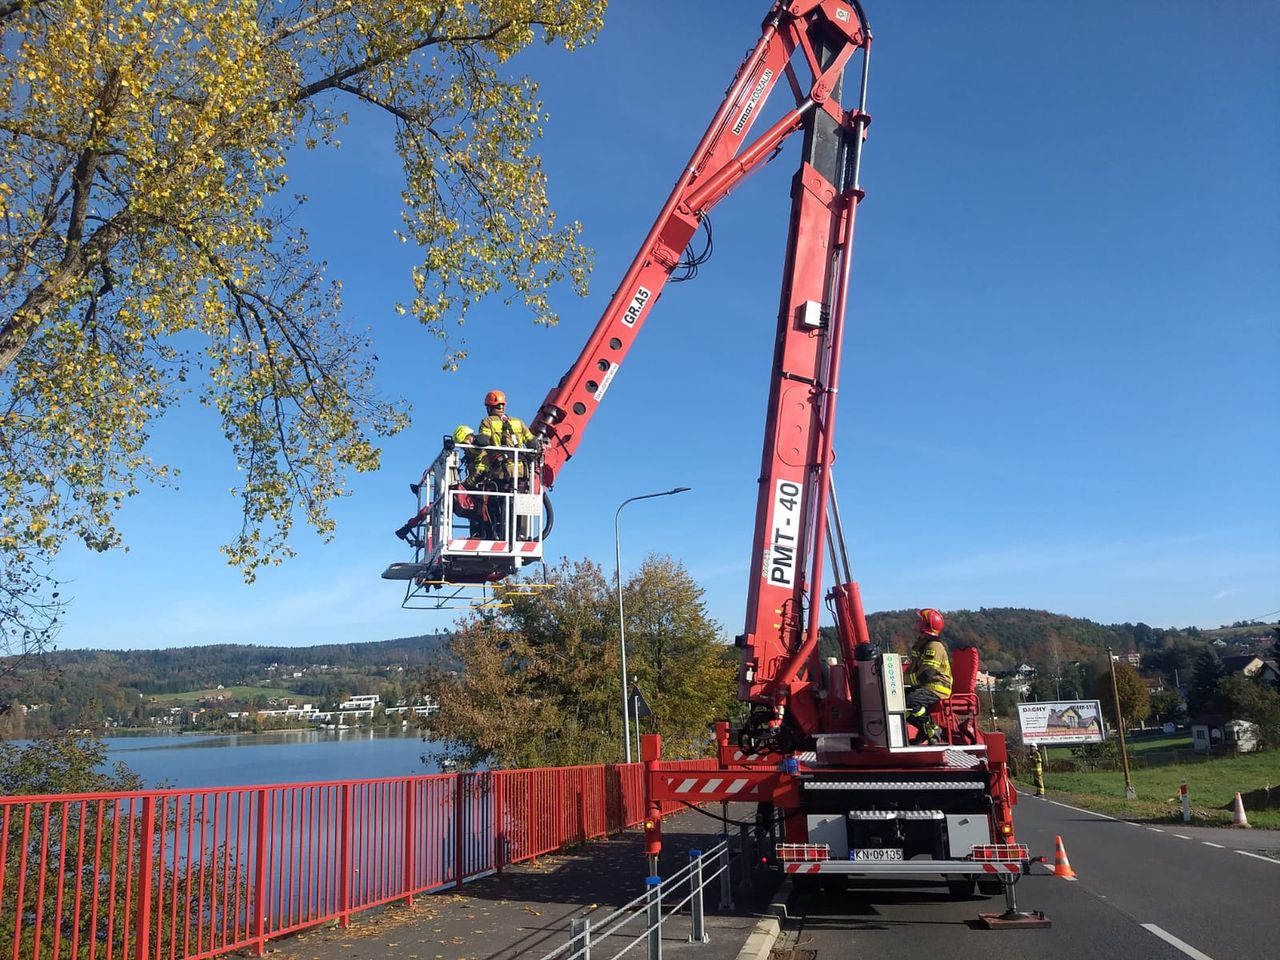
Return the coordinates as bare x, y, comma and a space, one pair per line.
504, 431
931, 667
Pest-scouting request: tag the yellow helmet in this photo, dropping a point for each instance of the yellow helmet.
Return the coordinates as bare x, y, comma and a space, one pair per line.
462, 433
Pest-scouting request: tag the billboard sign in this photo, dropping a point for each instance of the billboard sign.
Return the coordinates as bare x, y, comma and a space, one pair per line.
1061, 721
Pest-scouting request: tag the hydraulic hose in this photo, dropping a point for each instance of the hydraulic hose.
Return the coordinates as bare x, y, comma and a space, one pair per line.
551, 515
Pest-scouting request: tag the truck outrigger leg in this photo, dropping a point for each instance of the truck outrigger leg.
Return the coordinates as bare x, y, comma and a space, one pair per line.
1013, 918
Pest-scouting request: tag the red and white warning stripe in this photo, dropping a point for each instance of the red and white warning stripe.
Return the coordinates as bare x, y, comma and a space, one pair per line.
493, 546
713, 785
817, 868
1002, 868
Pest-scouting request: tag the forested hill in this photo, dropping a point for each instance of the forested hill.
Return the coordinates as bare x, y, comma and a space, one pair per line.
92, 688
1008, 636
179, 669
1005, 637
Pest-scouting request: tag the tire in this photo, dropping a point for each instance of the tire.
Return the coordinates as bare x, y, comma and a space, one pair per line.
961, 888
990, 888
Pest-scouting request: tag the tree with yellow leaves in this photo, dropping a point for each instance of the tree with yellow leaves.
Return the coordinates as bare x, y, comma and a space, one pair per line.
145, 235
536, 682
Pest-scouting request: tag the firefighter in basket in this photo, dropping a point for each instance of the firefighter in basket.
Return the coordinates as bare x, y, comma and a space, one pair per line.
499, 430
929, 677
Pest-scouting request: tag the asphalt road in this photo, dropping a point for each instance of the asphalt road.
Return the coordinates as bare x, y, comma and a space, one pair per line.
1142, 892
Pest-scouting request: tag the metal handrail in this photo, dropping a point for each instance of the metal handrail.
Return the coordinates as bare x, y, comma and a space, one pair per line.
582, 931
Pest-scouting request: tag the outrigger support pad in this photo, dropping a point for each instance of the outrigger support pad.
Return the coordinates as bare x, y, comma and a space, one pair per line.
1013, 918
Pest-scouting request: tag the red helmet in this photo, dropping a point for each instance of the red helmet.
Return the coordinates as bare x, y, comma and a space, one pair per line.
930, 622
495, 397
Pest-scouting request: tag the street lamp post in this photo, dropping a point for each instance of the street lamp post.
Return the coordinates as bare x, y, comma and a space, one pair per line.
622, 627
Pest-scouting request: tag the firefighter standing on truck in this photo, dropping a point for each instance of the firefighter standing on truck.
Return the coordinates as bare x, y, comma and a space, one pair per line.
929, 679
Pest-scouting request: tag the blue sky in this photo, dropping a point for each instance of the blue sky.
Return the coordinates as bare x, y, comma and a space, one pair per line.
1060, 382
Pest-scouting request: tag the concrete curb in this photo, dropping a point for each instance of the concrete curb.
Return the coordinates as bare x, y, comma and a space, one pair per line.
761, 940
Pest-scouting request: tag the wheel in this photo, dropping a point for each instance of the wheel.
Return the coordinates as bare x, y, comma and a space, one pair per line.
990, 888
962, 888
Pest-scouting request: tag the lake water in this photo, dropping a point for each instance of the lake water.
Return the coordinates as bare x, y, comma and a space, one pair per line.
202, 760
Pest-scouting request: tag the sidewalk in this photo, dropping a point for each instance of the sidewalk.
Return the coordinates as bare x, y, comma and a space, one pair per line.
526, 912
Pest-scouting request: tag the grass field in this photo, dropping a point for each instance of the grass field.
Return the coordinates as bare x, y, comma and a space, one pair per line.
1161, 748
231, 693
1211, 784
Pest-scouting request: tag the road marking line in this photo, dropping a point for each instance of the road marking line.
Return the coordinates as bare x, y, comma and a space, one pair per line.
1182, 836
1257, 856
1170, 939
1132, 824
1091, 813
1210, 843
1155, 829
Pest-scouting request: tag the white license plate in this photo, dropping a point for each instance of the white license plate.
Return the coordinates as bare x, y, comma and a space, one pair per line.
877, 854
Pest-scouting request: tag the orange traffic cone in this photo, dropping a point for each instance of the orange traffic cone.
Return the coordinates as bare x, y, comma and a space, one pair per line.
1240, 820
1061, 865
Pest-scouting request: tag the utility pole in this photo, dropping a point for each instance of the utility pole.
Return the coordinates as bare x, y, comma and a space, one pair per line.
1129, 792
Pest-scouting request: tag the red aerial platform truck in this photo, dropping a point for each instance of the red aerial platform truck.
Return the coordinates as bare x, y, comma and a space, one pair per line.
826, 751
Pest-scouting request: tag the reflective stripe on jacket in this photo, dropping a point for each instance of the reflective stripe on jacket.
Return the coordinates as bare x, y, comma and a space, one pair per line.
505, 431
931, 668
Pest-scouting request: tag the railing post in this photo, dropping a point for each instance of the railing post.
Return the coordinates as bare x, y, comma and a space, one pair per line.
457, 830
499, 822
410, 841
604, 797
579, 939
142, 918
531, 831
653, 916
560, 818
726, 887
261, 902
344, 859
698, 929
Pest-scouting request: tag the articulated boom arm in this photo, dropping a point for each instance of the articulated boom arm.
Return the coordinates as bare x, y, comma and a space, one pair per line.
780, 643
827, 32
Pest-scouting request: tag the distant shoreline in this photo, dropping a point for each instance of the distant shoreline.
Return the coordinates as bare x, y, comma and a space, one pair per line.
153, 732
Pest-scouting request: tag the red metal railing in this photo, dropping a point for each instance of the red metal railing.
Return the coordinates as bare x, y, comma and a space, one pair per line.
188, 874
